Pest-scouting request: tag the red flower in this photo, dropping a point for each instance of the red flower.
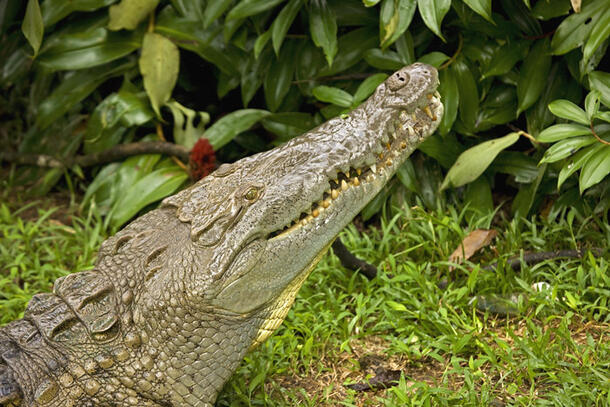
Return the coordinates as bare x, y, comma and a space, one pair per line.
202, 159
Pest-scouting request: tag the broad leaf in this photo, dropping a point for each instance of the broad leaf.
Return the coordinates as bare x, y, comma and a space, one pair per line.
129, 13
247, 8
504, 59
568, 110
600, 81
573, 31
559, 132
481, 7
153, 187
599, 34
472, 162
229, 126
333, 95
213, 10
368, 86
432, 12
469, 93
279, 77
394, 19
450, 96
533, 75
566, 148
159, 66
56, 10
575, 162
74, 89
282, 23
32, 26
323, 28
595, 168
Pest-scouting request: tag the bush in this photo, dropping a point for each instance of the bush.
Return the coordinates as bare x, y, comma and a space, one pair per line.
96, 73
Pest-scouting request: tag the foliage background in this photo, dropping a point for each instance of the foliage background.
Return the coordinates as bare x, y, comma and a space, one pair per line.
85, 75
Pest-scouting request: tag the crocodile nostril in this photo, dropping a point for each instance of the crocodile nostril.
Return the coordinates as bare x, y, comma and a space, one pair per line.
398, 80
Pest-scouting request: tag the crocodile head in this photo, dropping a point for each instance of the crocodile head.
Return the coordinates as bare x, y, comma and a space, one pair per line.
260, 225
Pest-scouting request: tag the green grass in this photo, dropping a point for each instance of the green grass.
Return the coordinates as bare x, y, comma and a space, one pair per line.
555, 352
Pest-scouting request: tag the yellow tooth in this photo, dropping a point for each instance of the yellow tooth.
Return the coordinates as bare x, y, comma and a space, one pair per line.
369, 177
429, 96
344, 185
355, 181
334, 194
326, 203
428, 112
374, 168
387, 145
381, 156
346, 173
309, 218
358, 171
403, 145
315, 213
388, 162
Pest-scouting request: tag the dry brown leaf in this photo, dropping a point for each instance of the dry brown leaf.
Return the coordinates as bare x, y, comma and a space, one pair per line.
576, 5
475, 240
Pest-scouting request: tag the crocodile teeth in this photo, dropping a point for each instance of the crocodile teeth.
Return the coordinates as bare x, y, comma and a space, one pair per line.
326, 203
344, 185
374, 169
334, 194
410, 130
388, 162
315, 213
355, 181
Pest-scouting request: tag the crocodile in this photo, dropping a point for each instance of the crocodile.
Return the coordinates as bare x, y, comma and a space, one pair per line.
177, 297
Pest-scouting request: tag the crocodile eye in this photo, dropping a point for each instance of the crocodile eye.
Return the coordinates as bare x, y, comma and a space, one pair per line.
251, 194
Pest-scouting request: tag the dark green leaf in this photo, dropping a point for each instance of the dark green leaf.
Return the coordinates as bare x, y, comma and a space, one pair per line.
370, 3
545, 10
520, 15
478, 196
332, 95
559, 132
129, 13
436, 59
74, 89
600, 81
395, 17
533, 75
368, 86
254, 74
352, 47
159, 66
408, 178
432, 12
213, 10
575, 162
55, 10
32, 26
405, 48
375, 204
151, 188
229, 126
527, 193
472, 162
481, 7
568, 110
566, 148
279, 77
469, 93
386, 60
450, 96
247, 8
599, 34
595, 168
524, 168
504, 58
260, 43
573, 31
444, 150
288, 125
282, 23
88, 49
323, 28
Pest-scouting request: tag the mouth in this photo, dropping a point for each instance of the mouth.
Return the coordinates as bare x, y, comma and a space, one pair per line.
401, 137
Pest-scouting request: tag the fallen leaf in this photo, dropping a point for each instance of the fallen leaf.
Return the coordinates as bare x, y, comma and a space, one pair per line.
475, 240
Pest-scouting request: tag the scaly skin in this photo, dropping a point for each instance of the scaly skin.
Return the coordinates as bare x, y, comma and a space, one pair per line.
179, 296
